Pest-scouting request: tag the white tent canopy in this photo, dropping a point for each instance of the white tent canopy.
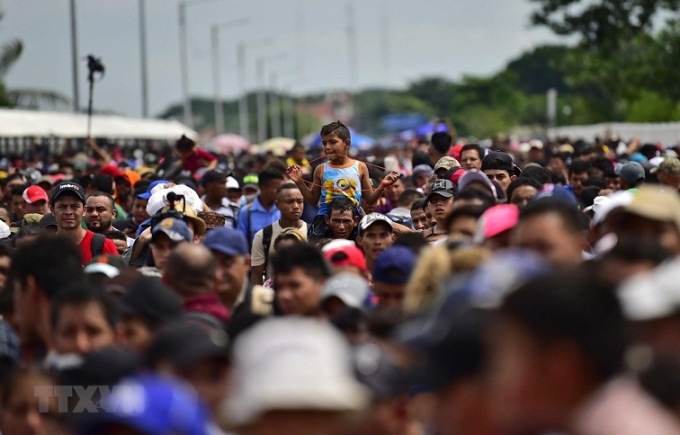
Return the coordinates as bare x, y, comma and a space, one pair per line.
25, 123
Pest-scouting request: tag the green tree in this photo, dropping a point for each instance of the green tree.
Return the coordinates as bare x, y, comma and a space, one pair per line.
601, 24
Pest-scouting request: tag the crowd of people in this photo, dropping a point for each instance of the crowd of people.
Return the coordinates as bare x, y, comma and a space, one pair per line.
435, 287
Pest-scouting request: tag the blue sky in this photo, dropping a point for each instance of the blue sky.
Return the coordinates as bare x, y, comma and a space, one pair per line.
447, 38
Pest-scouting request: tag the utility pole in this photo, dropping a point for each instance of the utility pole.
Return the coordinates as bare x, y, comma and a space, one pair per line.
261, 103
184, 64
215, 43
142, 51
74, 57
352, 57
274, 106
244, 115
184, 59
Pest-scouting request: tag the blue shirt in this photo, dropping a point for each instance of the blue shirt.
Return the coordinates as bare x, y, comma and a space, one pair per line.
259, 218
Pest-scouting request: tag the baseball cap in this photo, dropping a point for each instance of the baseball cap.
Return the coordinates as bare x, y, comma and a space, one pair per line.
447, 163
232, 183
473, 176
311, 371
373, 218
112, 170
109, 265
46, 179
421, 170
184, 343
500, 161
346, 256
151, 404
631, 172
147, 194
33, 194
176, 229
352, 290
604, 205
48, 220
496, 220
653, 295
443, 188
149, 299
455, 174
228, 241
337, 244
68, 187
394, 265
251, 181
212, 176
31, 218
656, 203
669, 165
558, 193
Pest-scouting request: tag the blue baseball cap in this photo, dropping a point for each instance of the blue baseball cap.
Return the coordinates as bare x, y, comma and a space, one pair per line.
558, 193
147, 194
151, 404
394, 265
228, 241
176, 229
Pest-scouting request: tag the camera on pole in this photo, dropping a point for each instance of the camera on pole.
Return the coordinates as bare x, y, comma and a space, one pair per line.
95, 68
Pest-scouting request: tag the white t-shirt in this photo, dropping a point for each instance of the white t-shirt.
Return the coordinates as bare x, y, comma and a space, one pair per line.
257, 251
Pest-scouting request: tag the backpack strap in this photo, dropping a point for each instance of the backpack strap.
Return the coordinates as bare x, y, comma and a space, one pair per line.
267, 233
248, 216
97, 245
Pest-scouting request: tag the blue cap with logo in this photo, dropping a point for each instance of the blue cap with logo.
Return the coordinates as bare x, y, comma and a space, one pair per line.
147, 194
176, 229
227, 241
151, 404
394, 265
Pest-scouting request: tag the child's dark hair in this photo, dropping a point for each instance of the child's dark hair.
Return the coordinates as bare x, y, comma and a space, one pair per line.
337, 128
185, 144
115, 234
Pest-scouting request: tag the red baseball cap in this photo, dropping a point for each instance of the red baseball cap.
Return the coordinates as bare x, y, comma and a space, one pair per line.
346, 256
112, 170
34, 194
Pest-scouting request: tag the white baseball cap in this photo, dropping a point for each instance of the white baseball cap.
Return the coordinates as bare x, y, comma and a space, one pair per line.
291, 364
652, 295
372, 218
352, 290
232, 183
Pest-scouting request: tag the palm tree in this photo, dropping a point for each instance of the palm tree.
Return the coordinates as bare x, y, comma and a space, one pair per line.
10, 52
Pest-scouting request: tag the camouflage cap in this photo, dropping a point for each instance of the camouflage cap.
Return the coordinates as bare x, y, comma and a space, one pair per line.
670, 165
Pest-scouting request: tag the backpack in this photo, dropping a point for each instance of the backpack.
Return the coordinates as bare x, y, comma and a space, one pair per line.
267, 233
97, 245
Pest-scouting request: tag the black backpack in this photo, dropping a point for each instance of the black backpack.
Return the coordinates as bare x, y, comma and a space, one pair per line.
97, 245
267, 233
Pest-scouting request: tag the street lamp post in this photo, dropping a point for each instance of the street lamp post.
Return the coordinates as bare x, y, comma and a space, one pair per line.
142, 52
274, 106
184, 57
219, 104
261, 96
244, 116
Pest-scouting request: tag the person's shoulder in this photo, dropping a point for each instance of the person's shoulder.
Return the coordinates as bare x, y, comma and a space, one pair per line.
110, 247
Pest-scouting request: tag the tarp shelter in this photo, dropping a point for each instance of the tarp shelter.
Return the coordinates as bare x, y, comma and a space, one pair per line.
20, 129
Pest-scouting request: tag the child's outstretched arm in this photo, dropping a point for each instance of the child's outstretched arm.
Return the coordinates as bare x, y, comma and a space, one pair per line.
312, 195
372, 196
